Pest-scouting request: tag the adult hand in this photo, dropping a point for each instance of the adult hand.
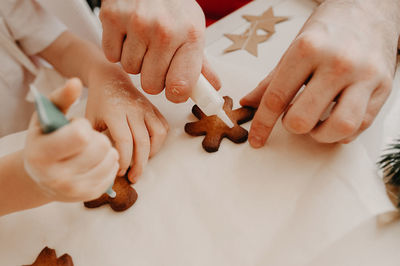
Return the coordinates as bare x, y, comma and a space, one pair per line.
74, 163
162, 40
346, 51
135, 125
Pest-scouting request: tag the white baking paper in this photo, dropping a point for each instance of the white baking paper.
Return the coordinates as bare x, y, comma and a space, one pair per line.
281, 205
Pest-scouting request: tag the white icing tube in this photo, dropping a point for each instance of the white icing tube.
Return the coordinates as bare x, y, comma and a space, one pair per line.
209, 100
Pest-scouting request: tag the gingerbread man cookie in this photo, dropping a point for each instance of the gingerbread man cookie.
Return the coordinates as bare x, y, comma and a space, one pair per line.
125, 198
48, 257
215, 130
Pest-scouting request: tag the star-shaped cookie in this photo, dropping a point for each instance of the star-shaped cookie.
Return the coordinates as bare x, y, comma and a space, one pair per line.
48, 257
247, 41
250, 38
125, 198
215, 130
266, 21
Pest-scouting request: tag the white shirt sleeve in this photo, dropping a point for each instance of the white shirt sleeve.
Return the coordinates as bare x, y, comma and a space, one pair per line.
30, 24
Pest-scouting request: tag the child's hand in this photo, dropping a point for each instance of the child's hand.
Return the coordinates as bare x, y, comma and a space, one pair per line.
74, 163
136, 126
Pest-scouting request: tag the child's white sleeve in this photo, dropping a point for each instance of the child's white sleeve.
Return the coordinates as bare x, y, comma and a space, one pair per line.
30, 24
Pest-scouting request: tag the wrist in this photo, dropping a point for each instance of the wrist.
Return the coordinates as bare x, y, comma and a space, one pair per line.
103, 73
36, 178
382, 11
17, 190
385, 12
31, 182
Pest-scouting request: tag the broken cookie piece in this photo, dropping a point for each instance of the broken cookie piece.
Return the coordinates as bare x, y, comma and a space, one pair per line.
214, 129
48, 257
125, 198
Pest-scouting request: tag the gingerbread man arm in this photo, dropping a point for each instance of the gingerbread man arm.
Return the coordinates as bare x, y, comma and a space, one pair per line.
196, 128
198, 113
243, 115
65, 260
228, 104
237, 134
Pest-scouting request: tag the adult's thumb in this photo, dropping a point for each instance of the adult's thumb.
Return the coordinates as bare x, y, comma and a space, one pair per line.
64, 97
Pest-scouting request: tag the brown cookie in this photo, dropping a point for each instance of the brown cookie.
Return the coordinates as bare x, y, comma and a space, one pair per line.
125, 198
215, 130
48, 257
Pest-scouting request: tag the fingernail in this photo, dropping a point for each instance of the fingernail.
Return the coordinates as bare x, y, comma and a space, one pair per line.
178, 86
175, 91
256, 141
121, 172
177, 96
132, 177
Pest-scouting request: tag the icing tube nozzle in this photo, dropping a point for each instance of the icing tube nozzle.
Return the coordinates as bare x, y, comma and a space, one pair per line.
110, 192
224, 117
209, 100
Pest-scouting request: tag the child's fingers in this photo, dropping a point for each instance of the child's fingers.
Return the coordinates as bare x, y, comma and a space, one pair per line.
102, 176
161, 117
93, 183
108, 171
157, 132
64, 97
142, 147
61, 144
122, 137
91, 156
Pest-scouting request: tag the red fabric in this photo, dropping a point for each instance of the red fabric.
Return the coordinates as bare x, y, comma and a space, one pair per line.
216, 9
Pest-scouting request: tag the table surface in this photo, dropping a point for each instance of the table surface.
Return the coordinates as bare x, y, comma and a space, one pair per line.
286, 204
